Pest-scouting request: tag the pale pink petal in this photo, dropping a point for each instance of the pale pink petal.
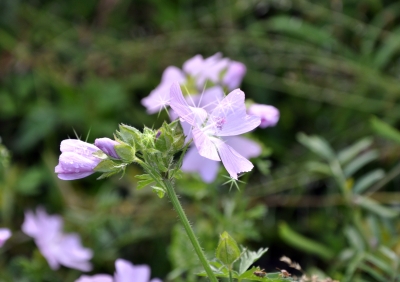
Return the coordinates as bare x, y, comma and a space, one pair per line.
74, 166
72, 254
107, 146
234, 74
79, 147
172, 74
229, 117
269, 114
158, 99
57, 247
244, 146
194, 116
127, 272
193, 162
96, 278
194, 65
210, 98
204, 145
232, 160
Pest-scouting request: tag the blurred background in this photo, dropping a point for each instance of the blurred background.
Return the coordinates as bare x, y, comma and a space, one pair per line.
326, 190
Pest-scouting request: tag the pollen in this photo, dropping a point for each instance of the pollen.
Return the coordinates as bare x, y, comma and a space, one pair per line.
219, 123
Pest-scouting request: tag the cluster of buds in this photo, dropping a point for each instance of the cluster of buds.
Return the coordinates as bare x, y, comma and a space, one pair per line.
152, 149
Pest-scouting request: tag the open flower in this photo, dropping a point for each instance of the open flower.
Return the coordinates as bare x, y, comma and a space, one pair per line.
208, 169
195, 74
58, 248
228, 118
125, 272
5, 234
269, 114
76, 160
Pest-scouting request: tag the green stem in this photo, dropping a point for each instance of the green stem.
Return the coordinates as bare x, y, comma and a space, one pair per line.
189, 231
230, 276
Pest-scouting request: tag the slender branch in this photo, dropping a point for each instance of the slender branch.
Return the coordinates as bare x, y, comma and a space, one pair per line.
189, 231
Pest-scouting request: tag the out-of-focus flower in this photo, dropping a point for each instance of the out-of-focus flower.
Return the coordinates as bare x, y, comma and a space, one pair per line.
269, 114
234, 75
159, 97
194, 76
107, 146
125, 272
58, 248
76, 160
5, 234
228, 118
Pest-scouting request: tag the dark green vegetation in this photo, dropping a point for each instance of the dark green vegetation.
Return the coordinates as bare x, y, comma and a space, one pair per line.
329, 199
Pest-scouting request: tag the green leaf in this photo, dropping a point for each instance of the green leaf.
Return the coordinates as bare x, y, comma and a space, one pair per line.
317, 145
106, 166
248, 258
145, 179
159, 191
227, 251
355, 239
125, 152
303, 243
375, 207
359, 162
385, 130
352, 151
367, 180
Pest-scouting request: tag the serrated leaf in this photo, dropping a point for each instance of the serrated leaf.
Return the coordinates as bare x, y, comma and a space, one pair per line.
248, 258
227, 251
367, 180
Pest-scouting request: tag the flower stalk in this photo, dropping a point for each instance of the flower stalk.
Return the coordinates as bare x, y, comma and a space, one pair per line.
189, 231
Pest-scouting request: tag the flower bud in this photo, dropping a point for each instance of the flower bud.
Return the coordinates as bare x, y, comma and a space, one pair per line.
227, 251
77, 159
269, 114
107, 145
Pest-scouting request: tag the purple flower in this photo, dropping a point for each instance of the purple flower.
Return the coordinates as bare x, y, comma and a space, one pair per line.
5, 234
159, 97
234, 75
58, 248
200, 71
107, 146
228, 118
76, 160
208, 169
269, 114
125, 272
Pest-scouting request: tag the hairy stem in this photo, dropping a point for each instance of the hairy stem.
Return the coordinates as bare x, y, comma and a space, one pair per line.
189, 231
